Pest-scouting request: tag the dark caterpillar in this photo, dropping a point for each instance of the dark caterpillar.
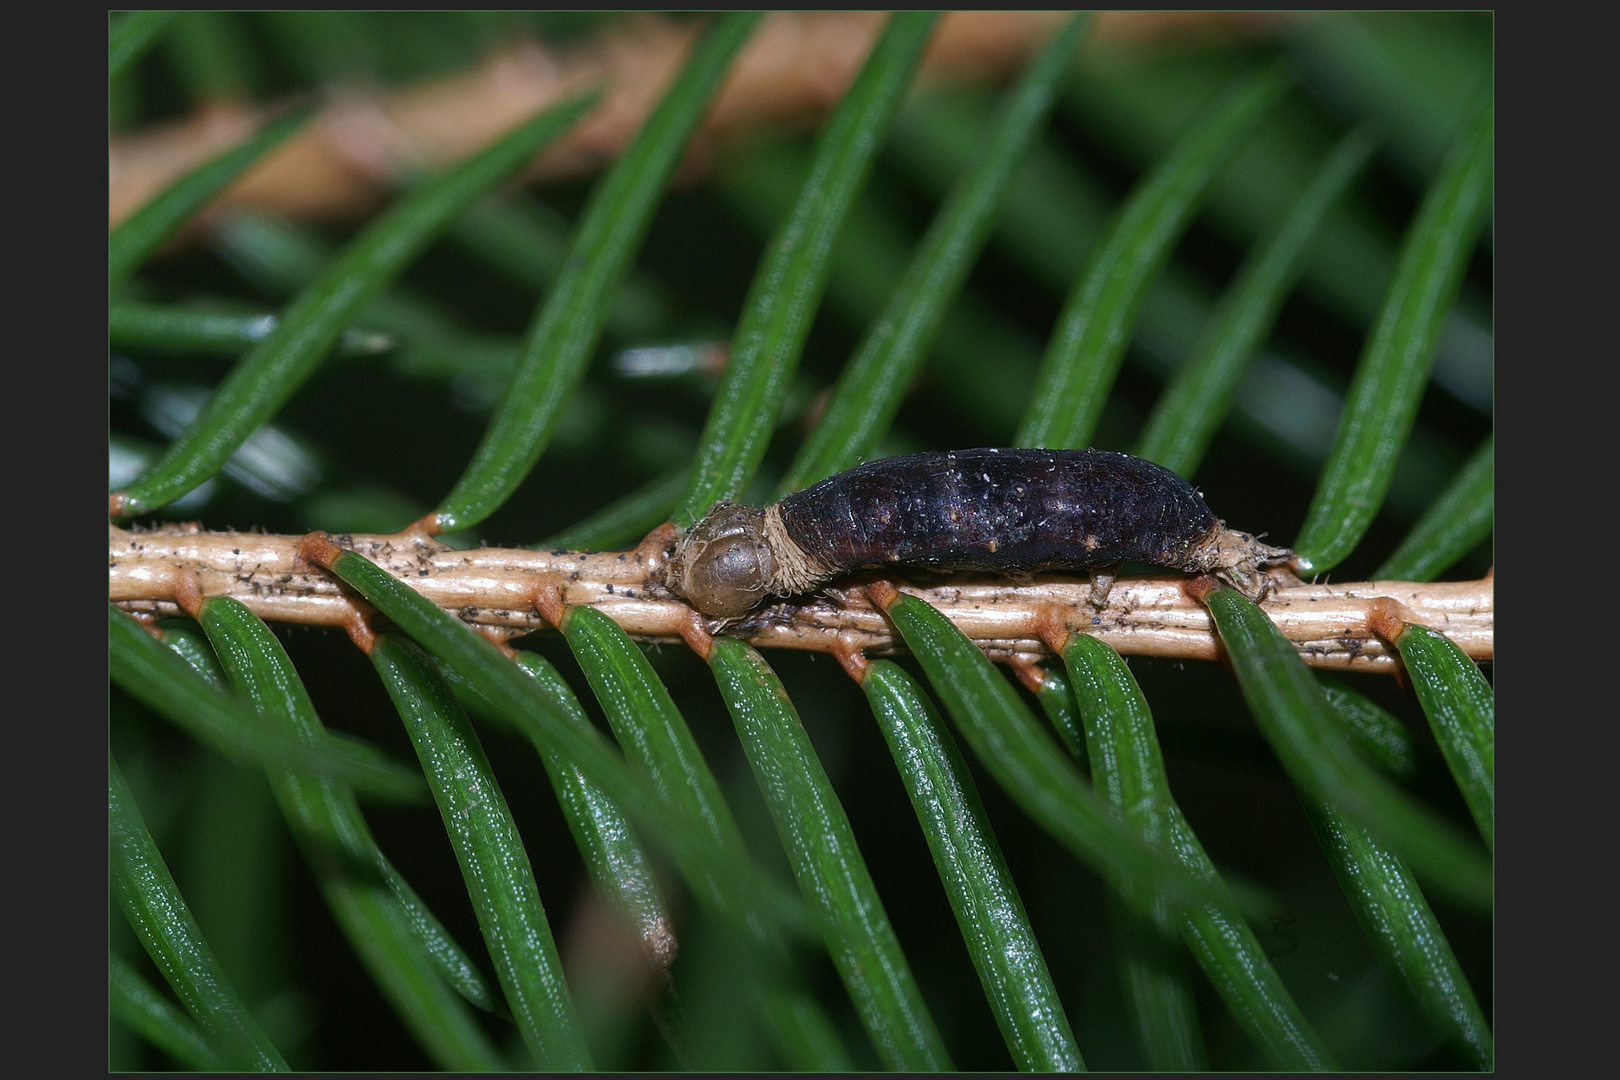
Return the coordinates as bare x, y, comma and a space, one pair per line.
988, 510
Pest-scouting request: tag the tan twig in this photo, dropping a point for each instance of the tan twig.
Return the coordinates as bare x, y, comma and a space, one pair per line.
161, 572
793, 69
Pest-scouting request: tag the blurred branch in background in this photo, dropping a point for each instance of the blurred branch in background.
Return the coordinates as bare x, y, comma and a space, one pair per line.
794, 69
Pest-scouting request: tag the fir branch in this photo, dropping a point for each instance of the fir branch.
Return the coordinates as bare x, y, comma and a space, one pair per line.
160, 572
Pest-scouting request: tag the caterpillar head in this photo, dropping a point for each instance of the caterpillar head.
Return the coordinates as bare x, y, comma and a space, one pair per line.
724, 566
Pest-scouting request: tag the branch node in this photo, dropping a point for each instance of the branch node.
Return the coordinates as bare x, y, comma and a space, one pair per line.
850, 657
1053, 628
319, 549
500, 637
424, 527
185, 587
695, 632
1030, 673
548, 602
1200, 587
358, 627
1388, 617
883, 594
